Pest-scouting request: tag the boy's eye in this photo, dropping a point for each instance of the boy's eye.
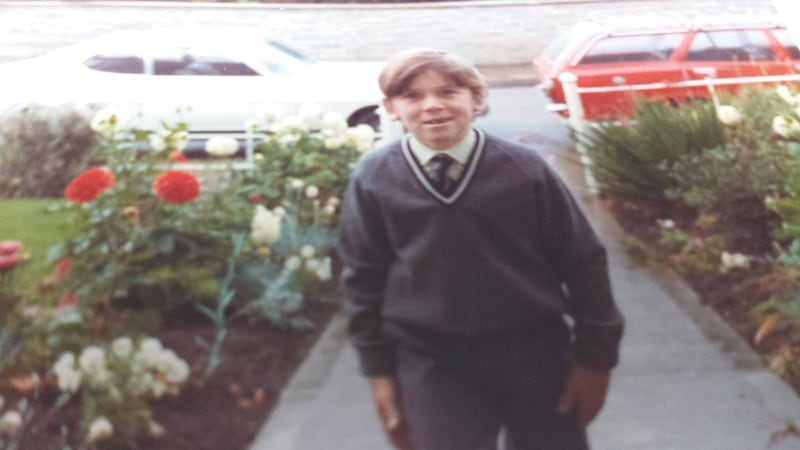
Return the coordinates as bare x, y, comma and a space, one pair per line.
449, 91
411, 95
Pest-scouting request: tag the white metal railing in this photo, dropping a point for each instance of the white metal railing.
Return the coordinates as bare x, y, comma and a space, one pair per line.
576, 120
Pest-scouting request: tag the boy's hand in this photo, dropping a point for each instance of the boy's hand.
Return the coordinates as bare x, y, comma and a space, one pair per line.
584, 393
384, 397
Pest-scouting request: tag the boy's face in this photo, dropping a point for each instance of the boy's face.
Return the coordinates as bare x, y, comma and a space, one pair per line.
437, 112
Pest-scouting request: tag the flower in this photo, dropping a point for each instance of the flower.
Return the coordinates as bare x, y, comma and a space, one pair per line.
176, 186
312, 191
88, 185
92, 362
133, 214
222, 146
786, 126
362, 137
177, 156
786, 94
10, 423
108, 121
296, 183
307, 251
333, 123
329, 210
258, 157
734, 260
10, 247
9, 261
293, 263
68, 300
265, 228
122, 346
69, 378
310, 113
99, 430
728, 115
667, 223
323, 270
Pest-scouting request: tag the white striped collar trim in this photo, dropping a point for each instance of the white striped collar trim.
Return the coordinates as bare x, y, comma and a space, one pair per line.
466, 176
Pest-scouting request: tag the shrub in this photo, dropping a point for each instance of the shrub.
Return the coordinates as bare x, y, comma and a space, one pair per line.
42, 149
629, 160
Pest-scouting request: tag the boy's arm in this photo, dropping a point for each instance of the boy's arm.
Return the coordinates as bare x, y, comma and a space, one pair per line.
365, 254
580, 258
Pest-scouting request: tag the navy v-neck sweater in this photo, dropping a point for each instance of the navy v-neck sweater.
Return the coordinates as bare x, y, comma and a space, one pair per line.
507, 248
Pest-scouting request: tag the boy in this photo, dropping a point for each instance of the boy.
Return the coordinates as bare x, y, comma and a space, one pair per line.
462, 254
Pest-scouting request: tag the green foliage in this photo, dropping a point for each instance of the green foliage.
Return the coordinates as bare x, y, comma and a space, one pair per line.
629, 160
41, 149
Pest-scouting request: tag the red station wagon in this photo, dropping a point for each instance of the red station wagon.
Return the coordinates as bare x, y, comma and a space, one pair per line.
631, 54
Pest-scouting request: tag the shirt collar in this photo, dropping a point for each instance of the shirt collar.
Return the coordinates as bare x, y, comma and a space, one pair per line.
460, 151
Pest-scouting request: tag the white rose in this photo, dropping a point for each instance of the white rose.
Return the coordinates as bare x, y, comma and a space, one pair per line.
288, 124
313, 264
734, 260
279, 211
307, 251
92, 359
312, 191
258, 157
324, 269
728, 115
786, 126
109, 121
668, 223
122, 346
265, 228
269, 113
296, 183
329, 210
99, 430
293, 263
310, 113
786, 94
333, 123
362, 137
10, 423
69, 378
157, 143
288, 139
334, 142
222, 146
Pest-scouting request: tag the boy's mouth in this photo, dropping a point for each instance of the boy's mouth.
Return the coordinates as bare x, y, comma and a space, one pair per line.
435, 121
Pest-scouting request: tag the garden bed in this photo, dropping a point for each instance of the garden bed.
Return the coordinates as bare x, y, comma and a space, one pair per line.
739, 296
228, 411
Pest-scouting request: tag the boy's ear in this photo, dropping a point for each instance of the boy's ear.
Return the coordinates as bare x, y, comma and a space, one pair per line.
387, 103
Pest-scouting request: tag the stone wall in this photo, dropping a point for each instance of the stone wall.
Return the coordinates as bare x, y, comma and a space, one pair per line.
488, 32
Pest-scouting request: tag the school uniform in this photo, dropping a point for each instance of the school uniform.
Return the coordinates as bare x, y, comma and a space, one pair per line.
460, 291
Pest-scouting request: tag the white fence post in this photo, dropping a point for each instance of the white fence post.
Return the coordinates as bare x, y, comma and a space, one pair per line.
569, 83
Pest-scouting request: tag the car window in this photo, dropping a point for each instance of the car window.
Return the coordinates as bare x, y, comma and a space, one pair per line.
783, 36
617, 49
117, 63
731, 45
196, 62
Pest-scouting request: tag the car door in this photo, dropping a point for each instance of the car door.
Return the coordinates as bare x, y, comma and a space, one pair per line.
628, 61
730, 54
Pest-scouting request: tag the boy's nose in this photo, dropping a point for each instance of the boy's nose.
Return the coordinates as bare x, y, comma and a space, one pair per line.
431, 102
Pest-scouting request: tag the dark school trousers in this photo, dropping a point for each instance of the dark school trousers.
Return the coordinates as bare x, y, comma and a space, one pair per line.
457, 393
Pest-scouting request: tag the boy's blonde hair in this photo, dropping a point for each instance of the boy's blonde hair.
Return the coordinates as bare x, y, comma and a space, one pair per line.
402, 68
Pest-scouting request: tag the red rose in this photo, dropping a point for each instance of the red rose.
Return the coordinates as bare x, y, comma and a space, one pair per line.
9, 261
177, 156
10, 247
68, 300
176, 186
88, 185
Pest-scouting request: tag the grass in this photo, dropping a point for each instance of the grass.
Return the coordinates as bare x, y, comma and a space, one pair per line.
28, 221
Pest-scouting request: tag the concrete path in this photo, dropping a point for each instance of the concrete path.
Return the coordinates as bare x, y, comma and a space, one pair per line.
686, 381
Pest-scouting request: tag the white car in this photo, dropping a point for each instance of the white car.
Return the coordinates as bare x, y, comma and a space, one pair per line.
217, 78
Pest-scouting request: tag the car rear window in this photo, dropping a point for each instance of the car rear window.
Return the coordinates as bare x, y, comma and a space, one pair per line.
639, 48
730, 45
116, 63
783, 36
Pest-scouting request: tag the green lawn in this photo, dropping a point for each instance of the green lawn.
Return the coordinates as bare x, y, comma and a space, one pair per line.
27, 220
